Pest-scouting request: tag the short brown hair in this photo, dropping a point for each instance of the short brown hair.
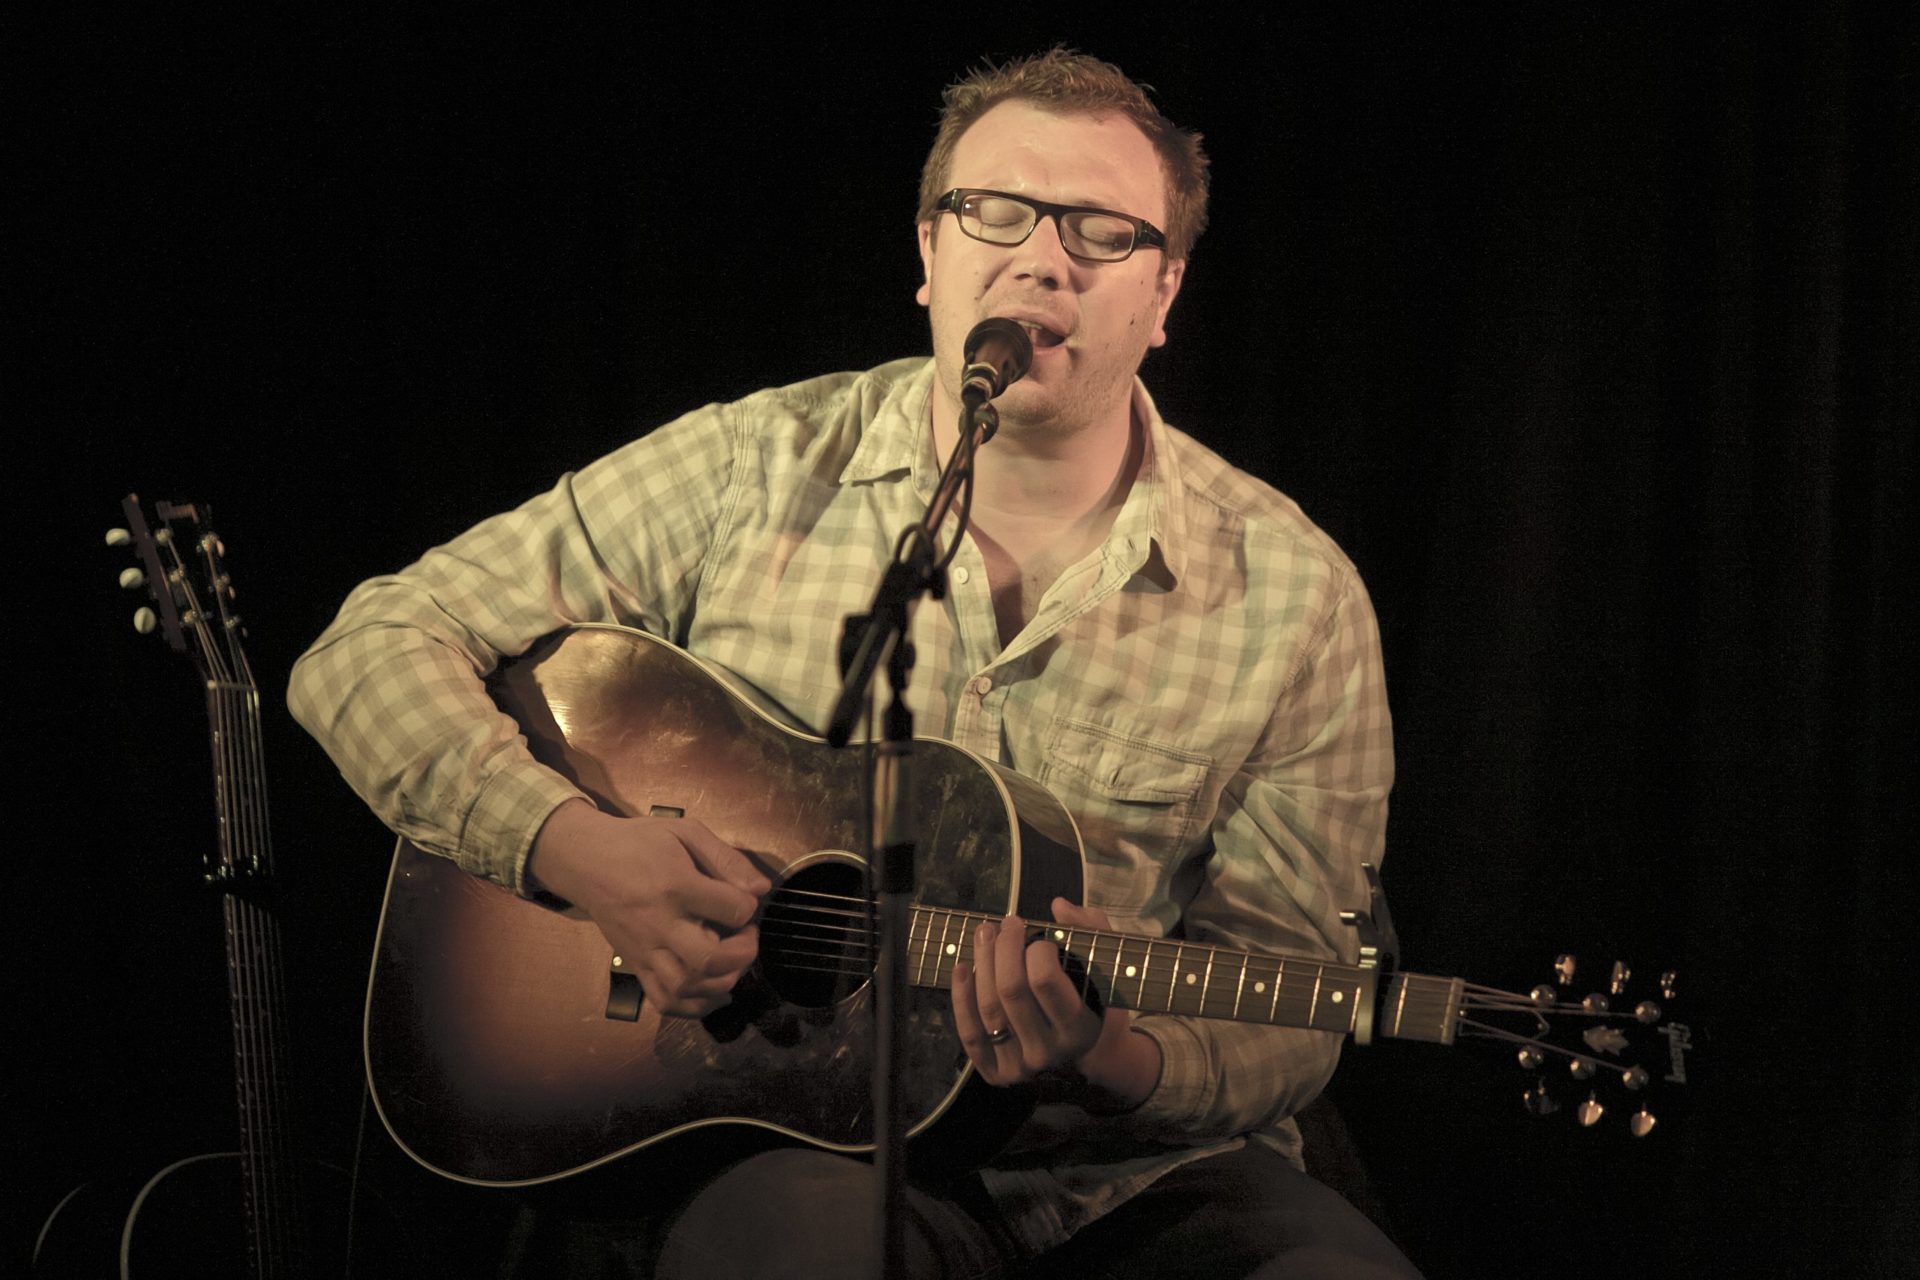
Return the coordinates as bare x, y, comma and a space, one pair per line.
1069, 83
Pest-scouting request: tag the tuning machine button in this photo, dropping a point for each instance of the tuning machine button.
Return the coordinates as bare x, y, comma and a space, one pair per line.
119, 538
133, 577
1641, 1123
1538, 1102
145, 620
1590, 1111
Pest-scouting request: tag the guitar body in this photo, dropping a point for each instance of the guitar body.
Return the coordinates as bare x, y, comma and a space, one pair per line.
501, 1036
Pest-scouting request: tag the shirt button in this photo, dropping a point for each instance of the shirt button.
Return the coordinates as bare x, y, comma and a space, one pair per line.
981, 686
961, 576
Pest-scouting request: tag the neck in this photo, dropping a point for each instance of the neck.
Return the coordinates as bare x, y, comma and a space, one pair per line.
1036, 472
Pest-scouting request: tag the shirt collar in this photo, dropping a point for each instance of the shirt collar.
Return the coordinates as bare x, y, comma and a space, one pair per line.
899, 435
1154, 514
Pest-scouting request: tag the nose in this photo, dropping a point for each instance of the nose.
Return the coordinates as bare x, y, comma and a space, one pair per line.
1043, 256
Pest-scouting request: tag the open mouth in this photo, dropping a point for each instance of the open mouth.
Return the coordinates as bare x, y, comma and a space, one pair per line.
1041, 336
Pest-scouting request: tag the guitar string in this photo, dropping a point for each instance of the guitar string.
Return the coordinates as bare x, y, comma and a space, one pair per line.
239, 784
794, 918
1423, 998
281, 1177
239, 939
1473, 995
253, 1030
850, 959
271, 1041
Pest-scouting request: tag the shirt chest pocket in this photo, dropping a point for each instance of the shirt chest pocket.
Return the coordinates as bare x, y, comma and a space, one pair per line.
1137, 803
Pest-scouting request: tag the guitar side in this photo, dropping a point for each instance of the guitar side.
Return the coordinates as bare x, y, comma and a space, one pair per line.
493, 1050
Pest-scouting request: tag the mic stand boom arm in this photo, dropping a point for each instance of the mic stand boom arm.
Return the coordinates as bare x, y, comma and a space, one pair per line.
882, 632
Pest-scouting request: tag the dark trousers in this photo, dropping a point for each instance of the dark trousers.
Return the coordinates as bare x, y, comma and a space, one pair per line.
806, 1213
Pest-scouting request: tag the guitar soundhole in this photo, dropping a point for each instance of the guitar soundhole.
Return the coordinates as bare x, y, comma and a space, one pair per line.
814, 946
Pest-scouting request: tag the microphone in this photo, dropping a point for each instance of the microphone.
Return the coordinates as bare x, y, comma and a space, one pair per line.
998, 354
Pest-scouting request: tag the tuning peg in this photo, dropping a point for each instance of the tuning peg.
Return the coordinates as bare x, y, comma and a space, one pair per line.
119, 538
1635, 1078
1590, 1111
1647, 1011
133, 577
1641, 1123
1618, 984
1668, 980
1542, 995
1595, 1003
1582, 1068
1531, 1058
144, 620
1564, 967
1538, 1101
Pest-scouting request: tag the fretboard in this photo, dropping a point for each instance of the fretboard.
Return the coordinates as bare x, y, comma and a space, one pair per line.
276, 1228
1159, 975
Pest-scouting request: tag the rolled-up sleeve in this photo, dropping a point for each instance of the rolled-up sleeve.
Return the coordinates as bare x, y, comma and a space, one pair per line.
394, 688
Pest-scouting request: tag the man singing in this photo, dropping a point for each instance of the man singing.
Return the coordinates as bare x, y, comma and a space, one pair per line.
1165, 642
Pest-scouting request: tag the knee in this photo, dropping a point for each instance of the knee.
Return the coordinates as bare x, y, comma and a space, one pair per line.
781, 1213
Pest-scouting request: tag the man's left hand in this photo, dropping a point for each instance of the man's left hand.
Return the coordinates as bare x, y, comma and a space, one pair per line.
1018, 1014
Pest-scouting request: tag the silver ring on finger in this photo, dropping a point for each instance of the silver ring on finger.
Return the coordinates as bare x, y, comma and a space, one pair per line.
1001, 1036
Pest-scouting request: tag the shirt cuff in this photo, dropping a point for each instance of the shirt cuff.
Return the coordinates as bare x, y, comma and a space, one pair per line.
1185, 1092
513, 804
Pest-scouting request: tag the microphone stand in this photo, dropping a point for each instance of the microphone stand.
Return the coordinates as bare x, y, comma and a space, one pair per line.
865, 639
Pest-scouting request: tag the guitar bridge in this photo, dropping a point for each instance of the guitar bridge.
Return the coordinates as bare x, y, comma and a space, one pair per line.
623, 996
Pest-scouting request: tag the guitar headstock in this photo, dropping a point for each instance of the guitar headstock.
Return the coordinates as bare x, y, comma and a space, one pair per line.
1612, 1052
181, 564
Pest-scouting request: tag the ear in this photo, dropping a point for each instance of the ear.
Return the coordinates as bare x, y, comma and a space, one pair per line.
924, 235
1165, 292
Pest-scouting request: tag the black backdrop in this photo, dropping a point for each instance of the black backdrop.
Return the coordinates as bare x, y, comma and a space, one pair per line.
1589, 331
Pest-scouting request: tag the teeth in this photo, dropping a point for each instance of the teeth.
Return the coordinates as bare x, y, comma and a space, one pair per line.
1040, 334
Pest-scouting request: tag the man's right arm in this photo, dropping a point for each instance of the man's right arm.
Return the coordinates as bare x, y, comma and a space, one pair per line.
394, 691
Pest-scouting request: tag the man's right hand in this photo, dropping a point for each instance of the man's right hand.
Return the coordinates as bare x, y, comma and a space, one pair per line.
675, 900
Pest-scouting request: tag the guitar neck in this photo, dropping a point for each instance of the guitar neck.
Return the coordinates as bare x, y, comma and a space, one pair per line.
276, 1226
1160, 975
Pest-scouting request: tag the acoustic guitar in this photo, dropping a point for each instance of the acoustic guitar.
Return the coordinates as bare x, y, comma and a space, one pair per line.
249, 1212
507, 1044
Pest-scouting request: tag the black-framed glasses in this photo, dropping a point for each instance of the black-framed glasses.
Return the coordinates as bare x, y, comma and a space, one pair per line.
1093, 235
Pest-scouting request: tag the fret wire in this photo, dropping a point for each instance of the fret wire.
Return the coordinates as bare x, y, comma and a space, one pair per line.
1093, 962
919, 964
1206, 982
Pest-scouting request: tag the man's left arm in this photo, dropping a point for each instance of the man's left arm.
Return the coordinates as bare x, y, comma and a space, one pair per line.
1294, 825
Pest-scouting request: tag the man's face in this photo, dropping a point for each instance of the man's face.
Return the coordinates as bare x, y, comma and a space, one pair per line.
1091, 322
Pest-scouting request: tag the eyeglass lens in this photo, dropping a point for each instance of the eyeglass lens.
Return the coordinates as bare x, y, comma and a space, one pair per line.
1085, 233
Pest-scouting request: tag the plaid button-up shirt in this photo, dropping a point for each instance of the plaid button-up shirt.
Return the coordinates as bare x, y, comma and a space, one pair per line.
1203, 691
